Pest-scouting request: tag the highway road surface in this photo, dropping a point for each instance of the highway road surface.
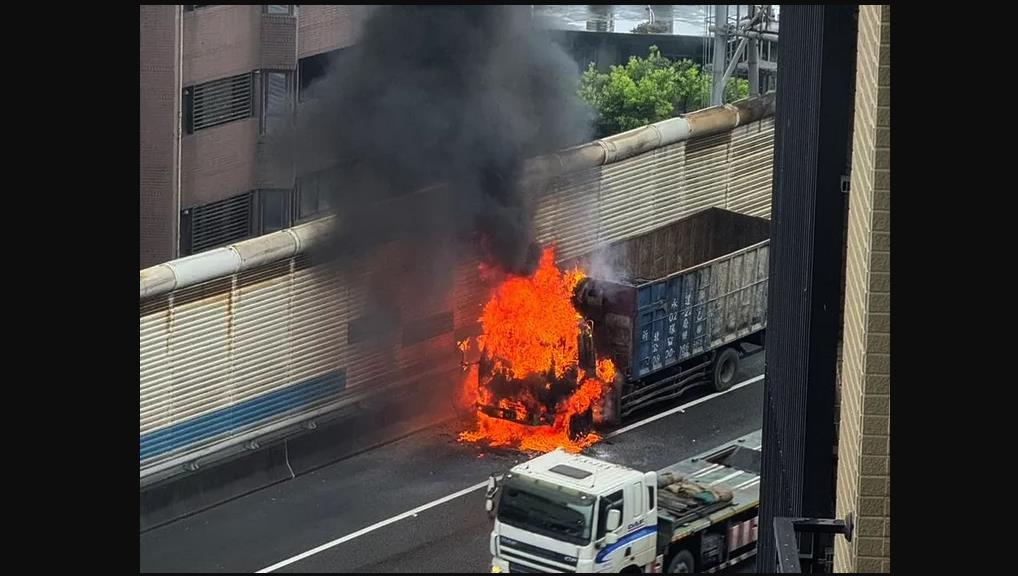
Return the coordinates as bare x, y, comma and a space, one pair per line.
417, 505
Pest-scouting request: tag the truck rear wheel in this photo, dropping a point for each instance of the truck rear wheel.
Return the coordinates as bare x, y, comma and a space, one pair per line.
682, 563
612, 406
726, 365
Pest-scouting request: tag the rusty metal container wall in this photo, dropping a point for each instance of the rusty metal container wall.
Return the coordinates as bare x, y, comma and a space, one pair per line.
701, 283
738, 305
699, 310
268, 346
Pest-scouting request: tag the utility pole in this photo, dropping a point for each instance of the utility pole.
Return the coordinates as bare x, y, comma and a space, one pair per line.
752, 58
752, 33
720, 46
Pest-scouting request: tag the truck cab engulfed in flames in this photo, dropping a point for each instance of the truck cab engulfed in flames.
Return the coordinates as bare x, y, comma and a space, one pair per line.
533, 399
537, 399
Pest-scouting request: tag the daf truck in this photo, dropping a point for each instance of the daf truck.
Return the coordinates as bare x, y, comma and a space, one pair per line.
563, 512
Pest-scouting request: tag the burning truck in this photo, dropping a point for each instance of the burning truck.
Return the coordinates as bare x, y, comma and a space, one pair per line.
567, 351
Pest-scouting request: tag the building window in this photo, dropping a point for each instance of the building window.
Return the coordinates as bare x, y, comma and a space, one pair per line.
218, 102
314, 193
285, 9
193, 7
274, 210
216, 224
312, 69
234, 219
277, 99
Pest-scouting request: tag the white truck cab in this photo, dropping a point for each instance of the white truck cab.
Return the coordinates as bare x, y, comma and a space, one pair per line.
563, 512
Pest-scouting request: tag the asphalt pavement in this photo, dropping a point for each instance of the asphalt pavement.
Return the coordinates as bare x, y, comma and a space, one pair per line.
352, 516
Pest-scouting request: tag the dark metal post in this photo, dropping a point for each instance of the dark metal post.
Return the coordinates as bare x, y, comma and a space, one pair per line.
813, 119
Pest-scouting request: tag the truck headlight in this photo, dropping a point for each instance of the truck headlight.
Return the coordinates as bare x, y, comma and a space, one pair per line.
495, 569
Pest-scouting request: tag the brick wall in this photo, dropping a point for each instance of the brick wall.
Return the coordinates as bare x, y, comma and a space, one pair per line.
864, 448
158, 125
221, 41
219, 162
322, 28
279, 42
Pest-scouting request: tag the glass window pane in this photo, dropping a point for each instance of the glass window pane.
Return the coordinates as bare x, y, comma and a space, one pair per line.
273, 211
276, 94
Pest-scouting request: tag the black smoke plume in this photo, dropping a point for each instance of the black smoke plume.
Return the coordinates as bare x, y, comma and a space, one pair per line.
448, 97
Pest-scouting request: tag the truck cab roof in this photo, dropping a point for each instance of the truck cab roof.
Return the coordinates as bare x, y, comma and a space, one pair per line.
578, 472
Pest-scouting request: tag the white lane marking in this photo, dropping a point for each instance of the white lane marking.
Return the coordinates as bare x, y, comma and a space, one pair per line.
465, 491
667, 413
373, 527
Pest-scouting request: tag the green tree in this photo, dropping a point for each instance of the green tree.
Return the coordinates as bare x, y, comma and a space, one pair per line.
648, 90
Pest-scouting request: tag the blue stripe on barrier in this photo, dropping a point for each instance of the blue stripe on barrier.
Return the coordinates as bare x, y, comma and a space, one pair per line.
243, 414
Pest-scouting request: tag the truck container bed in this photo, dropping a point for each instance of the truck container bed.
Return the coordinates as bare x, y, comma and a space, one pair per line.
681, 290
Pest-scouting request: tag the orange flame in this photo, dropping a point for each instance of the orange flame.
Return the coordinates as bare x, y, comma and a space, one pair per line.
530, 328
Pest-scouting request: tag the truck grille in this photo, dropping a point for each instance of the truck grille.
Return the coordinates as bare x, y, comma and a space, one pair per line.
515, 557
523, 552
515, 568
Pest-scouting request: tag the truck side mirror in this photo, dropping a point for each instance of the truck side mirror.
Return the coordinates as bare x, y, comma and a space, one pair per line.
611, 538
613, 521
494, 483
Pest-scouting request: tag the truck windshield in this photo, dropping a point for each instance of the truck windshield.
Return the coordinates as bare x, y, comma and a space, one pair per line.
547, 511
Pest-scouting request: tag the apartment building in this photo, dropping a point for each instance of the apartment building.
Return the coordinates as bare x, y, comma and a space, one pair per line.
216, 81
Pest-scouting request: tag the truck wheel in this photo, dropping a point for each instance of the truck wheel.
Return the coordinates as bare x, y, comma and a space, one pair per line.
613, 405
682, 563
725, 367
581, 424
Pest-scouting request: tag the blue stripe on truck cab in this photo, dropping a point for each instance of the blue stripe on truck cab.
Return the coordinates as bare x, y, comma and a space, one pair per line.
627, 539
